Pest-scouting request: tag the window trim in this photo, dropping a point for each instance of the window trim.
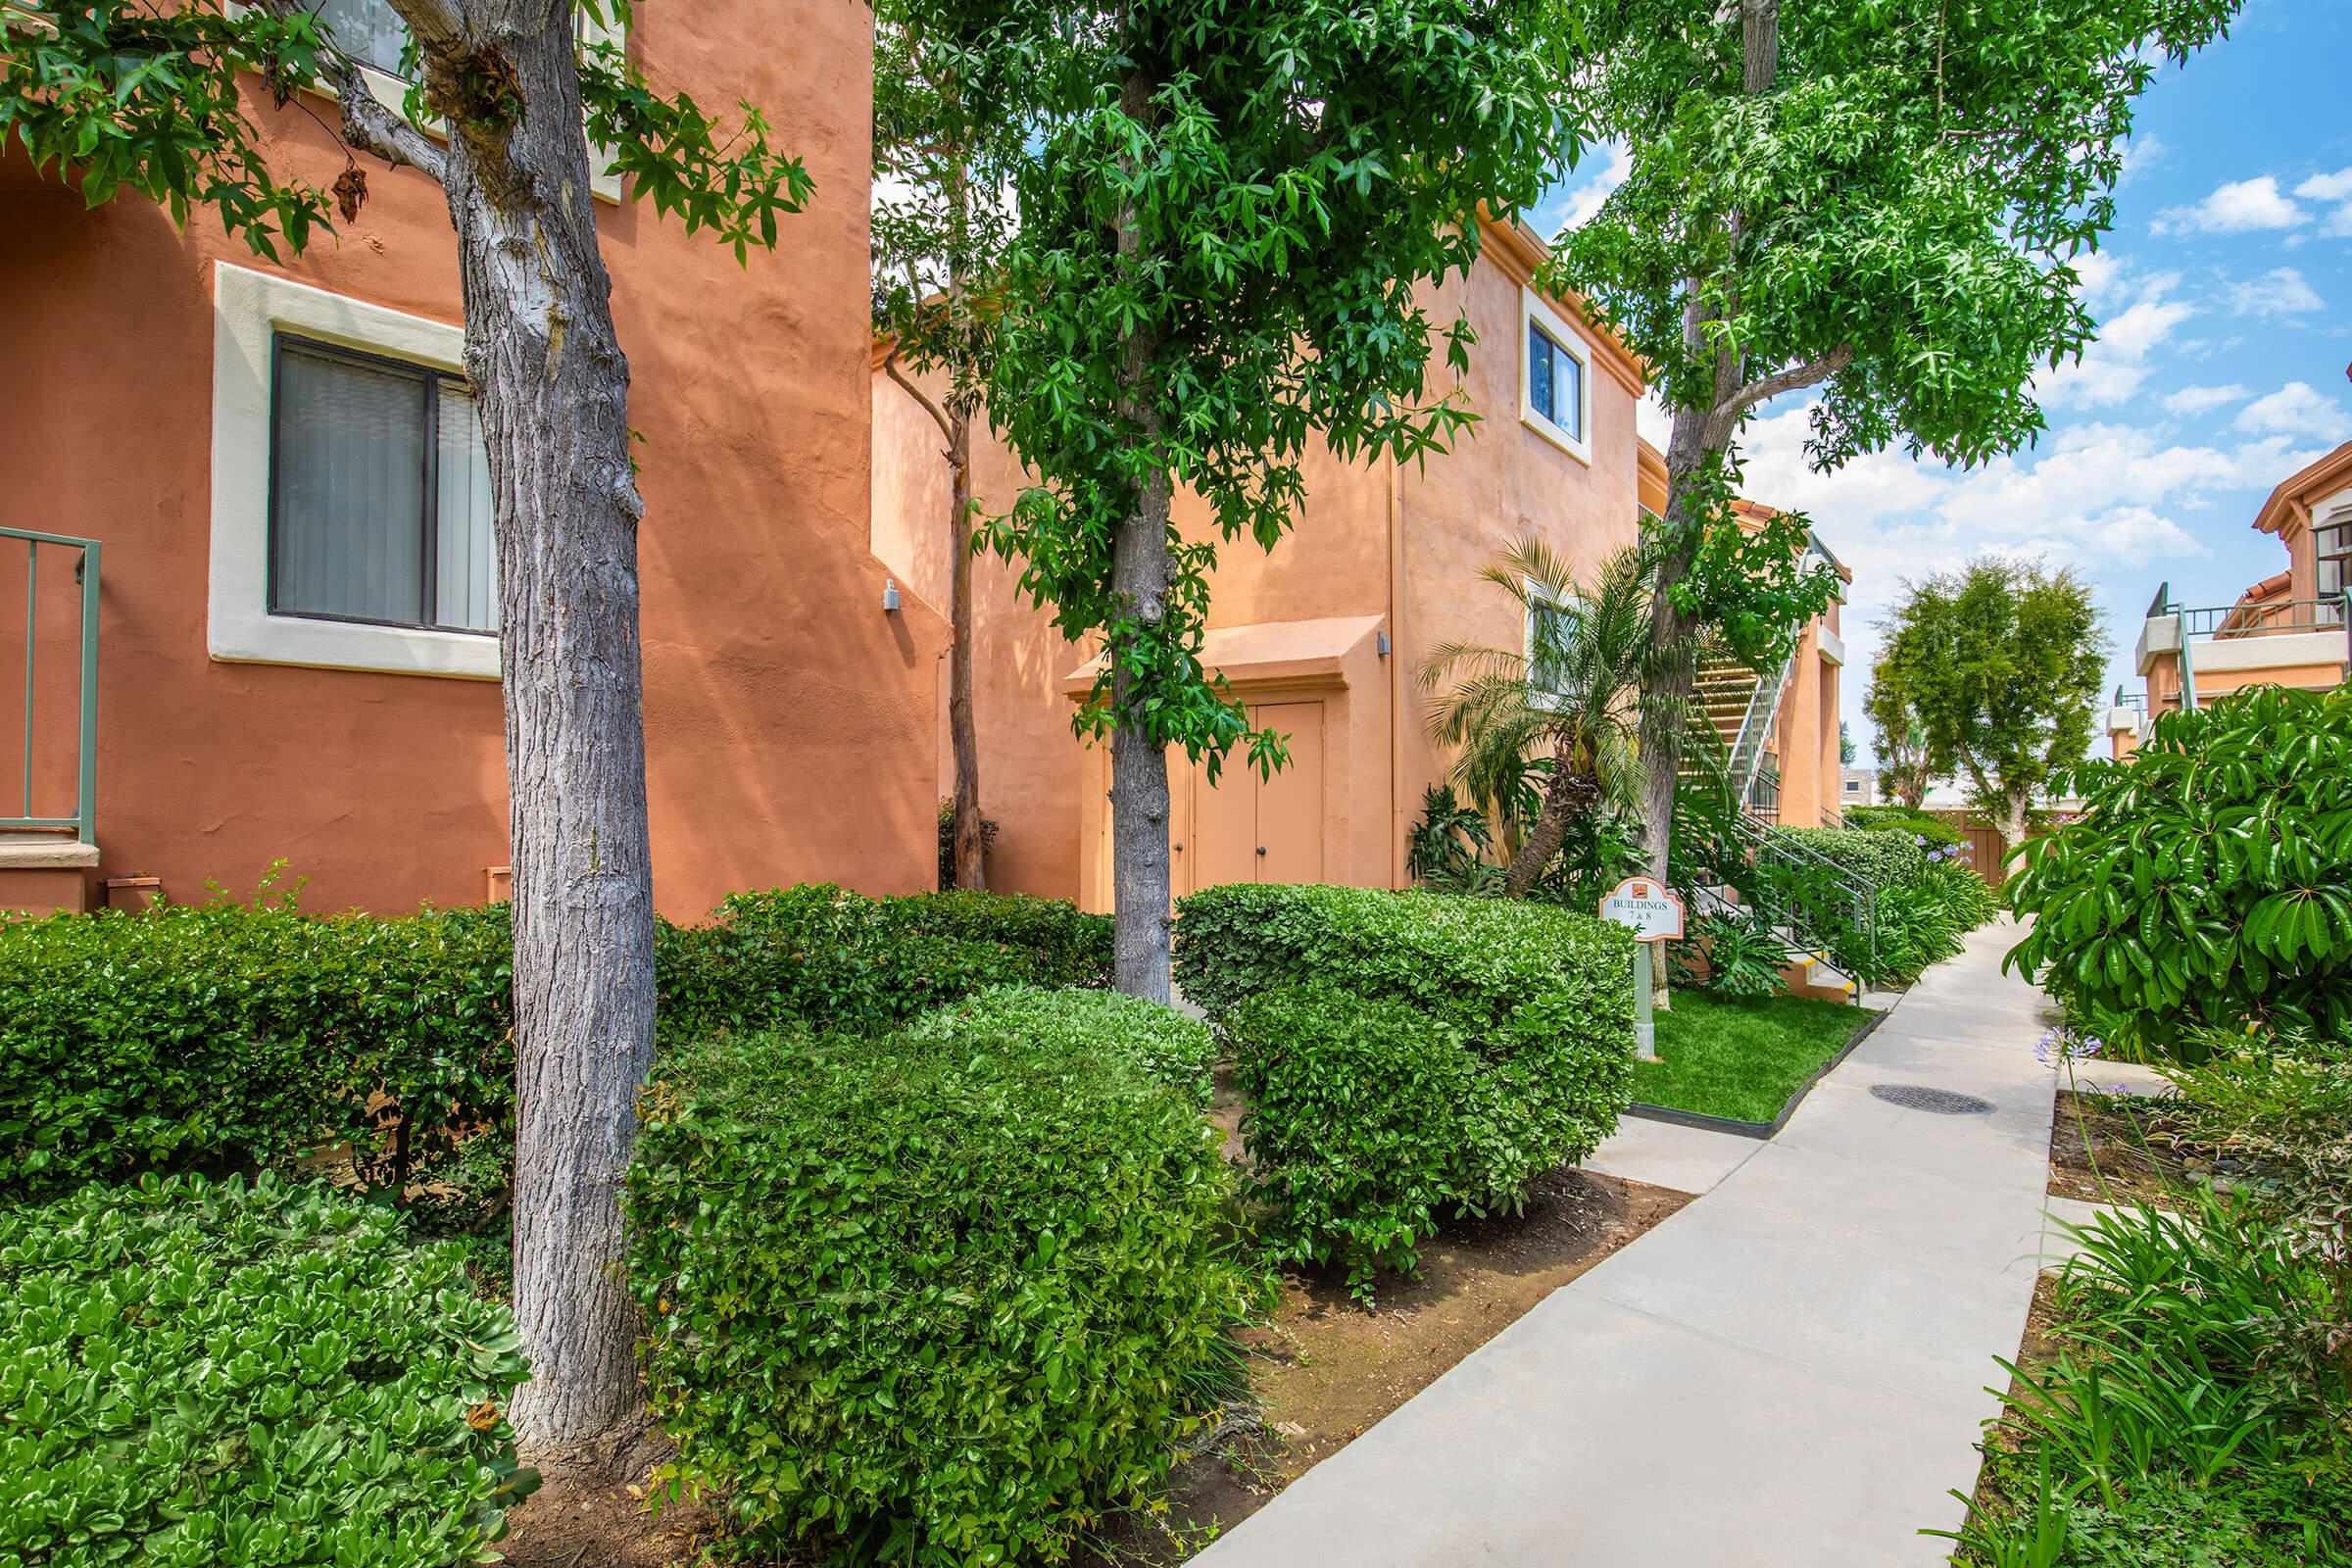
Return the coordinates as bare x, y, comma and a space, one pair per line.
1536, 315
250, 308
2329, 515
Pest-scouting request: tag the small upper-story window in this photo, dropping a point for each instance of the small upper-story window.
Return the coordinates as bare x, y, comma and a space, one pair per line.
370, 31
379, 493
2332, 547
1558, 400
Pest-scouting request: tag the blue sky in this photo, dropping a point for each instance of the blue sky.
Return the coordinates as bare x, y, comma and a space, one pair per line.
2224, 302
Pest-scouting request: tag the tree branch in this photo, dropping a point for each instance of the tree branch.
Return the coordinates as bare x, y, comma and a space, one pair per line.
890, 367
367, 124
1725, 417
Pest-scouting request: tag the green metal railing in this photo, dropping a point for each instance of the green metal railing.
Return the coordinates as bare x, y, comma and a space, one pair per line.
84, 566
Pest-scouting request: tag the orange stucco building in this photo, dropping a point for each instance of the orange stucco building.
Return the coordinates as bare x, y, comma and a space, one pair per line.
2289, 629
1324, 638
272, 680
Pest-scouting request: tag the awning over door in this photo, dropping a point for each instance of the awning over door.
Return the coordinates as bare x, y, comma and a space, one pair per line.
1270, 652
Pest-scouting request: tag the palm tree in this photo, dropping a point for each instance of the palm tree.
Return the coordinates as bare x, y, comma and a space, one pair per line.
1565, 705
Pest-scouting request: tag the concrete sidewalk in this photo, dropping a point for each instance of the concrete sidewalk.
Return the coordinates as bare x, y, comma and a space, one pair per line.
1789, 1371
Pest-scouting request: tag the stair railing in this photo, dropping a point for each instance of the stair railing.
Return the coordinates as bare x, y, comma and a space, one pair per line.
1755, 729
1845, 898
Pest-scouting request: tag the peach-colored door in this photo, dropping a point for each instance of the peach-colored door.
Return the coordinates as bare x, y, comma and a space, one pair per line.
1289, 804
1222, 845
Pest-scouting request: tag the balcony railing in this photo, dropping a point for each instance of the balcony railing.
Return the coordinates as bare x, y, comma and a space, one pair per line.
57, 558
2236, 645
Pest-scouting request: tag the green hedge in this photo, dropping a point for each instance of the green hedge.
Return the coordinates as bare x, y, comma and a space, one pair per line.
195, 1374
821, 955
1176, 1049
1881, 860
232, 1037
222, 1036
1471, 962
1941, 832
1371, 1120
938, 1299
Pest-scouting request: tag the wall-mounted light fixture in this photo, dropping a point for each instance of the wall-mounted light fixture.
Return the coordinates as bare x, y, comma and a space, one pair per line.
890, 597
1383, 644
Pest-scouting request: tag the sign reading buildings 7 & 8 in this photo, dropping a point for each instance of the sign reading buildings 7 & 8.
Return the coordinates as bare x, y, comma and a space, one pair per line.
1648, 908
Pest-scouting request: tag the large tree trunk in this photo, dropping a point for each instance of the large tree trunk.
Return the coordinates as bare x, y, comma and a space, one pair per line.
1140, 889
553, 391
1570, 794
963, 740
2009, 818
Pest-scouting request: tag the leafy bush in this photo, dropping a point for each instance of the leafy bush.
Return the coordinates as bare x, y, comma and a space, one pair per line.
1177, 1050
1941, 832
223, 1036
821, 955
1880, 860
934, 1299
2209, 878
1372, 1118
1474, 962
1744, 957
946, 843
194, 1375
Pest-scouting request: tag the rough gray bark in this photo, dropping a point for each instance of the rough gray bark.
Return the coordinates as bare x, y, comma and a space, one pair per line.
552, 387
1139, 568
964, 739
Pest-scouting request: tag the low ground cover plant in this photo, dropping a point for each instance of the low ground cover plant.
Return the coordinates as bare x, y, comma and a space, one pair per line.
200, 1375
2208, 881
1372, 1119
1169, 1047
937, 1297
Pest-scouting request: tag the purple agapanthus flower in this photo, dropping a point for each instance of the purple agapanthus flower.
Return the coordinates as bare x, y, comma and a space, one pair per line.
2062, 1044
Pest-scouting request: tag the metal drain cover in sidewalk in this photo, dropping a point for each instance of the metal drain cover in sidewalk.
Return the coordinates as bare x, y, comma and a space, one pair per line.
1942, 1101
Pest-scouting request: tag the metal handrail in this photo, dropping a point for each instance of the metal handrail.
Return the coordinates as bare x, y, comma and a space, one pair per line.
1755, 725
2262, 620
85, 820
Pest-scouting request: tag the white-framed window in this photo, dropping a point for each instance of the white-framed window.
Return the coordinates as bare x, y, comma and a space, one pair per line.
351, 492
1555, 378
1549, 626
2332, 558
372, 33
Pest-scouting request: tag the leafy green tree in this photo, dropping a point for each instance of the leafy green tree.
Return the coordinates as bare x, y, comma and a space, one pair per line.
156, 98
2000, 662
949, 125
1876, 201
1222, 225
1902, 745
2208, 882
1567, 701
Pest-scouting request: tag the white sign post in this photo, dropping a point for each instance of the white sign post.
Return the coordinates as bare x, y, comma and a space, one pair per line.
1651, 911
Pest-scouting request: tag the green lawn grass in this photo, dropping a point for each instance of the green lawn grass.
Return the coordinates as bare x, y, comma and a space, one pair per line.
1741, 1058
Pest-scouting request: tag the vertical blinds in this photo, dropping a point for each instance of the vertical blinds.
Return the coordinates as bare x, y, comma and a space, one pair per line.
379, 493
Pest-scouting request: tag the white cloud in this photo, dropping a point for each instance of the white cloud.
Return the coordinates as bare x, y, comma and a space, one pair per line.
2196, 400
2336, 187
2281, 291
2297, 409
2113, 367
2144, 151
1584, 199
2235, 208
2339, 224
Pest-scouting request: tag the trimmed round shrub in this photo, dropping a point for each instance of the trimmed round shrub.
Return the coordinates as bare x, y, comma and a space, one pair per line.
1474, 961
2208, 882
1941, 832
1171, 1048
937, 1299
1881, 860
209, 1376
1371, 1120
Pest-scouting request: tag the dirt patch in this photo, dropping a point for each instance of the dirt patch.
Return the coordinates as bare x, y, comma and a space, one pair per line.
2116, 1148
2036, 1349
1329, 1368
576, 1521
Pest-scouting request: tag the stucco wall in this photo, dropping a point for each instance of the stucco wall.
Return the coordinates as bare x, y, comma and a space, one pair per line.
789, 720
1373, 540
